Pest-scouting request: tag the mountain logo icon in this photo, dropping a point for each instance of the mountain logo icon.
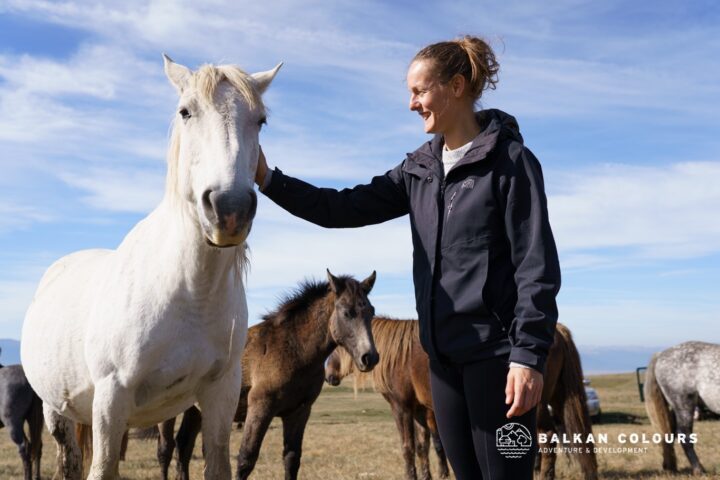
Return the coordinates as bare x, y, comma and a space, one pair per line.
513, 440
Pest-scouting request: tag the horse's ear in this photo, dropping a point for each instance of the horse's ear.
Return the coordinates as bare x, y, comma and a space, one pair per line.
368, 283
179, 75
334, 283
263, 79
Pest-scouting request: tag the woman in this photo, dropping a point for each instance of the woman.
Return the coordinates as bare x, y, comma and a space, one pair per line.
485, 265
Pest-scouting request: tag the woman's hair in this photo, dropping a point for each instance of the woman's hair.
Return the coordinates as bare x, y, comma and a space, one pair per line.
468, 56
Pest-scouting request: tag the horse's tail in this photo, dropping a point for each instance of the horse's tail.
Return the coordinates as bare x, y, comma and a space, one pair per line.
83, 434
36, 421
571, 390
659, 413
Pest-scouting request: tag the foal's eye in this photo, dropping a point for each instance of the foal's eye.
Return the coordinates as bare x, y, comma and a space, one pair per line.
262, 121
184, 113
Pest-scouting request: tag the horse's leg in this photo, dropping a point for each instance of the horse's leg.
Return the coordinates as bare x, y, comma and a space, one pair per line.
69, 463
684, 417
17, 435
545, 461
257, 421
439, 450
188, 432
35, 421
165, 446
110, 413
293, 431
404, 421
218, 402
422, 449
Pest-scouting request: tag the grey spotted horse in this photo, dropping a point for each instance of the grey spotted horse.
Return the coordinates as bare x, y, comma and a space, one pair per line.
676, 380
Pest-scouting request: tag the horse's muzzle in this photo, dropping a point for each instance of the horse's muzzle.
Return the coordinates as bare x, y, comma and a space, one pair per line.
369, 360
332, 380
230, 214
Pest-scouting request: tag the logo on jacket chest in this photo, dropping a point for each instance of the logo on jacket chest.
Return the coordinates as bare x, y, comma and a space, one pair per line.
469, 184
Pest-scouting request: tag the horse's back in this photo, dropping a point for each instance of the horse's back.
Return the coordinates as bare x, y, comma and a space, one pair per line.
690, 368
52, 349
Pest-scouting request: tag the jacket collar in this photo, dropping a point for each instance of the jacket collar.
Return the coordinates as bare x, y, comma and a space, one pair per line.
496, 125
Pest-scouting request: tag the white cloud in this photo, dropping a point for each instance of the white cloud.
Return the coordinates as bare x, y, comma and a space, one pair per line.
284, 251
657, 212
123, 190
14, 217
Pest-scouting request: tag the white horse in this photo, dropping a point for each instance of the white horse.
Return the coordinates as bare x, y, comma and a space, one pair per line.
133, 336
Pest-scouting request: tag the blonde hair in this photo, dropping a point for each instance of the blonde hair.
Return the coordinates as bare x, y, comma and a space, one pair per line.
469, 56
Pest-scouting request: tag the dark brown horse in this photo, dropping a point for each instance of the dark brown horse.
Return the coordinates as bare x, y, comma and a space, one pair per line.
404, 367
403, 379
563, 407
20, 404
283, 369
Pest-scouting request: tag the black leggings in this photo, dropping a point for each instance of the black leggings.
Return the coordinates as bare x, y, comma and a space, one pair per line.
469, 402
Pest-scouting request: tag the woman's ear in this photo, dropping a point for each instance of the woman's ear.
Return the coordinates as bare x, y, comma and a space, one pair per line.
458, 85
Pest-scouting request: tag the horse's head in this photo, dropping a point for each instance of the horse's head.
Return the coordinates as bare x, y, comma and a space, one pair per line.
350, 323
333, 369
215, 147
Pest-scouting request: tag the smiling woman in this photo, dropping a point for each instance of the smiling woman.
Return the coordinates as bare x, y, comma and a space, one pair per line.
486, 271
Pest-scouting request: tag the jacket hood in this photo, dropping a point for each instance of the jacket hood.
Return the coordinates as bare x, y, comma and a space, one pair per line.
496, 126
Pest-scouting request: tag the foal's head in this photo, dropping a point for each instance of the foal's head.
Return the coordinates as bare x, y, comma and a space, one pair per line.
214, 150
350, 323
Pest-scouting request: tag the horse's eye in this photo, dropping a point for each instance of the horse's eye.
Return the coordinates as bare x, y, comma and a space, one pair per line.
184, 113
262, 121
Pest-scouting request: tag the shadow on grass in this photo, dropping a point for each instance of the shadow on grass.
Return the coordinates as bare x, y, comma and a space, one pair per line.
608, 418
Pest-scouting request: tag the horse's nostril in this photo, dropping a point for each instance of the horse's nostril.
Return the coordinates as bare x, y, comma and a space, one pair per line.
207, 204
365, 359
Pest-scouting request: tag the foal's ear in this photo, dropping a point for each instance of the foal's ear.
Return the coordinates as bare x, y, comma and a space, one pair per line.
263, 79
335, 283
368, 283
179, 75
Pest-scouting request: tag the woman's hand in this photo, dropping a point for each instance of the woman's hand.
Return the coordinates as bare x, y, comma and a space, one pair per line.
523, 389
262, 169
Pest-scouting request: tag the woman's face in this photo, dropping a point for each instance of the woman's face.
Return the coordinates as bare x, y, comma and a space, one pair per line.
431, 99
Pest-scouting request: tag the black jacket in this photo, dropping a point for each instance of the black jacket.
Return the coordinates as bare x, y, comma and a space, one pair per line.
485, 266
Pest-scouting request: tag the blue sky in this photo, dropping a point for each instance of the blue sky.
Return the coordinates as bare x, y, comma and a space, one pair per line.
618, 100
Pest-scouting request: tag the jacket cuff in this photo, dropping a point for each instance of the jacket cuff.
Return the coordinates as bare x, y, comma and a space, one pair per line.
268, 179
527, 358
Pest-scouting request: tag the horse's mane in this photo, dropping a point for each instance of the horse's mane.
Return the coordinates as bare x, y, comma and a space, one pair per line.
206, 80
299, 300
394, 341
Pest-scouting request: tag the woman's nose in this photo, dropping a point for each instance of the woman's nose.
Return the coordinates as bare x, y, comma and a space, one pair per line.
414, 103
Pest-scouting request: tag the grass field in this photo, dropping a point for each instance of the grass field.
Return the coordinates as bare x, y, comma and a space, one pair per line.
356, 439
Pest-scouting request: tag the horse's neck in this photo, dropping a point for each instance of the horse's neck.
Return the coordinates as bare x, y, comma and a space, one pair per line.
313, 336
176, 252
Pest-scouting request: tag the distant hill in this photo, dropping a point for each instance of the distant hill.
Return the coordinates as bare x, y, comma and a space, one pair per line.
597, 360
10, 354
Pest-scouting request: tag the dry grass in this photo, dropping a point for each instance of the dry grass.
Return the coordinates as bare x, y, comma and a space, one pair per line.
357, 439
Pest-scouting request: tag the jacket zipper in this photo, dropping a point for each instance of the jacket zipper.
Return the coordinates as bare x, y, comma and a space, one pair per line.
452, 197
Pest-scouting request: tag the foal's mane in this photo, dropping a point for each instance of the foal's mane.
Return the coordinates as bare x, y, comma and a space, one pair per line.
299, 300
